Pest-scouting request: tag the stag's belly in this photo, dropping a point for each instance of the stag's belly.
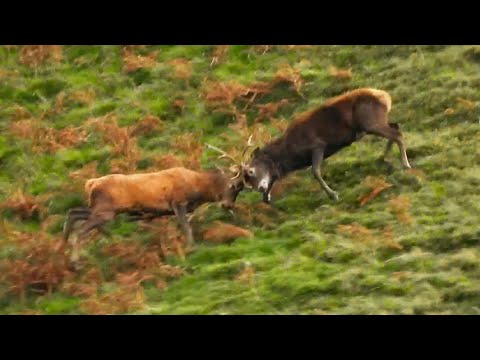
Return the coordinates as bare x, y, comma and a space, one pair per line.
301, 155
334, 148
299, 160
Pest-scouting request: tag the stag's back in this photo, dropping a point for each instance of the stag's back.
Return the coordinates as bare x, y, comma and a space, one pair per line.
343, 106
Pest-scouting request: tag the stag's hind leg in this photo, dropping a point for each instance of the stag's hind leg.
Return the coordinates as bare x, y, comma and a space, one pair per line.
388, 149
94, 221
393, 135
317, 160
74, 215
373, 119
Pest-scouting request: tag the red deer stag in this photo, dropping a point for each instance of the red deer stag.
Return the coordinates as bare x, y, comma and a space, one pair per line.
174, 191
322, 132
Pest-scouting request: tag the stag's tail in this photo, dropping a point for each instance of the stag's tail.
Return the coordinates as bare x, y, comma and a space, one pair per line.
383, 97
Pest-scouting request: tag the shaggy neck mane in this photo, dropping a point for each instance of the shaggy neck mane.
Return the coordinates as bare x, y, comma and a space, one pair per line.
274, 154
212, 184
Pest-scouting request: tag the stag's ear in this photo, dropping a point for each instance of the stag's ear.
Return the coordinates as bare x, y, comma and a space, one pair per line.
255, 152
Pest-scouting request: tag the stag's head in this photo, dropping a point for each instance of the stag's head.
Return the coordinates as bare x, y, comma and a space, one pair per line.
259, 172
236, 180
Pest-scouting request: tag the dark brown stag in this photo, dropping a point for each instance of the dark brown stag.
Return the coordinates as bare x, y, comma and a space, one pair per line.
320, 133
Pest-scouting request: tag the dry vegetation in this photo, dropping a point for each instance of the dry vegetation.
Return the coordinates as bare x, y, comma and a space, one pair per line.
36, 55
133, 61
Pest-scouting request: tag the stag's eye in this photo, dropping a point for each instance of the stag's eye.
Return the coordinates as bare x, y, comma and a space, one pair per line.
251, 172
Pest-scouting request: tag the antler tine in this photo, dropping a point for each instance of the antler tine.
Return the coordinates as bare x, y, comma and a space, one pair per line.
224, 154
249, 144
236, 169
219, 169
239, 165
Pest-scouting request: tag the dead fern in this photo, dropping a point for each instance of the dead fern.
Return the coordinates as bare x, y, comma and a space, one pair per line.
85, 96
23, 206
280, 125
288, 74
146, 125
221, 232
163, 162
192, 149
400, 206
284, 184
122, 300
182, 68
179, 104
267, 111
375, 185
356, 232
388, 239
20, 113
124, 146
297, 47
4, 73
168, 236
46, 139
467, 104
89, 171
339, 74
219, 54
40, 266
262, 49
35, 55
86, 285
133, 62
246, 275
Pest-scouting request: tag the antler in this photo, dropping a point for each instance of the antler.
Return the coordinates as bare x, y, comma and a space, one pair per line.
238, 165
224, 154
249, 144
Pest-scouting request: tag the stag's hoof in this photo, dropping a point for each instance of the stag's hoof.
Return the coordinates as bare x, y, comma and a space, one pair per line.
384, 161
74, 266
190, 245
334, 196
267, 198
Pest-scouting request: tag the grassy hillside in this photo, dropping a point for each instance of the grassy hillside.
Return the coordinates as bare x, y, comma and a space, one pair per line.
397, 242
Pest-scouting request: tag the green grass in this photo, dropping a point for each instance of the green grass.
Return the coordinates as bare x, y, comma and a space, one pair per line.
303, 264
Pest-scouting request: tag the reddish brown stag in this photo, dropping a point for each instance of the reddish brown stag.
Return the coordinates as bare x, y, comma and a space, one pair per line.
176, 191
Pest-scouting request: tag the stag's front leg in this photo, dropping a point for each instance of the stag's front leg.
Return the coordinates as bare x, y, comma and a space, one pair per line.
181, 213
316, 166
267, 195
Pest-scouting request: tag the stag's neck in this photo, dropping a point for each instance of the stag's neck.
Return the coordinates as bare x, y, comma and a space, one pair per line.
212, 185
281, 159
